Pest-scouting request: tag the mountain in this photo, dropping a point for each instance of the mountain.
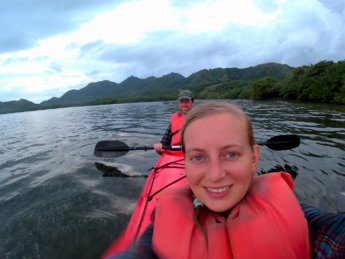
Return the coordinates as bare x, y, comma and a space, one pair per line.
220, 75
131, 87
151, 86
203, 83
92, 91
21, 105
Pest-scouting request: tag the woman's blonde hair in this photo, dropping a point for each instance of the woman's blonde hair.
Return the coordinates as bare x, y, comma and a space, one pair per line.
213, 108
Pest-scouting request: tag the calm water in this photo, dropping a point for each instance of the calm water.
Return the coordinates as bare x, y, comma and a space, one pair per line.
54, 203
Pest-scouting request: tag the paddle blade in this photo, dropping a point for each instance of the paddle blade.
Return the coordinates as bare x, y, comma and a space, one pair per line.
282, 142
110, 148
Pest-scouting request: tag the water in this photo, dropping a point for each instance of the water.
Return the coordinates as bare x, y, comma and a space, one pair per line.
54, 203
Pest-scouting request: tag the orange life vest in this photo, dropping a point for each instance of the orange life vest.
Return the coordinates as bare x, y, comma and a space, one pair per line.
176, 122
268, 223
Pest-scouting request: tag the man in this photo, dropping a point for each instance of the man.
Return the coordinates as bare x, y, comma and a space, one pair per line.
172, 134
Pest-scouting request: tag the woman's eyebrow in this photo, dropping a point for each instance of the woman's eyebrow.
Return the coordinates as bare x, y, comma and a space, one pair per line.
232, 145
194, 150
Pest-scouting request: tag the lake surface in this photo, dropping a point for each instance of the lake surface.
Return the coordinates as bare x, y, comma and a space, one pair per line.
54, 202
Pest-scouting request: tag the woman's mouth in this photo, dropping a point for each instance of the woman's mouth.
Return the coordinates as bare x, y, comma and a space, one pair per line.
217, 191
221, 189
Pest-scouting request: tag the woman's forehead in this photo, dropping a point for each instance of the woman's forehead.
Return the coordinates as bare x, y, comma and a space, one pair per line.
228, 118
219, 125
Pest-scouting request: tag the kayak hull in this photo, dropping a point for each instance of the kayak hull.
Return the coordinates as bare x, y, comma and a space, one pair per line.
168, 171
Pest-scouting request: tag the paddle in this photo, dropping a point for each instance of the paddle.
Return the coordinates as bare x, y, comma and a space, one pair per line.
116, 148
282, 142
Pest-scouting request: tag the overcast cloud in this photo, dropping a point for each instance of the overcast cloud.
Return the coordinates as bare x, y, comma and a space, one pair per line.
50, 47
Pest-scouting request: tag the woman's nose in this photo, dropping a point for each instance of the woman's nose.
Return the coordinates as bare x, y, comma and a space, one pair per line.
216, 171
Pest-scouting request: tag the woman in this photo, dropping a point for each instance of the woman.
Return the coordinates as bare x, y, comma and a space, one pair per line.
226, 211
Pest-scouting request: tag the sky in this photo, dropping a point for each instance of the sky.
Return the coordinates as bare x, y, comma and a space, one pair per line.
50, 47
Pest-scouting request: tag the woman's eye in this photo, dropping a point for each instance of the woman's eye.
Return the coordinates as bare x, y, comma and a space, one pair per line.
231, 154
197, 158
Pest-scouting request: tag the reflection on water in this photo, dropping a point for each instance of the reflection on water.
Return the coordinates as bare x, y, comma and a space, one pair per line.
111, 170
54, 202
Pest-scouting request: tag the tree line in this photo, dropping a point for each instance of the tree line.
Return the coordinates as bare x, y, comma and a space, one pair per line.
323, 82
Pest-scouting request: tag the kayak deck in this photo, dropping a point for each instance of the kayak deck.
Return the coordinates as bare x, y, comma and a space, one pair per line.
168, 171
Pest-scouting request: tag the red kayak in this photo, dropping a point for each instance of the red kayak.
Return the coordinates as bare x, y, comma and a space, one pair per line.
168, 171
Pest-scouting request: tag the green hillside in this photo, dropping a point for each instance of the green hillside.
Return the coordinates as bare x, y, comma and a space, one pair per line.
323, 82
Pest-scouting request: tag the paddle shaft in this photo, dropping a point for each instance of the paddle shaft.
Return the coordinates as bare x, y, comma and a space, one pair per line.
116, 148
120, 149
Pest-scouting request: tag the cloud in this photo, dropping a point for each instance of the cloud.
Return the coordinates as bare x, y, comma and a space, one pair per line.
51, 47
26, 22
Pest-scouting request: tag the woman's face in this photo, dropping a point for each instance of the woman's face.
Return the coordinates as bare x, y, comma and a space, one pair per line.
220, 162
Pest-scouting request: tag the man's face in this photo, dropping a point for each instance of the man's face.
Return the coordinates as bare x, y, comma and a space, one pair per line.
185, 105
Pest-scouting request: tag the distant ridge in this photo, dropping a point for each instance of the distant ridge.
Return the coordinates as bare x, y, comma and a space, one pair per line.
97, 90
322, 82
152, 88
15, 106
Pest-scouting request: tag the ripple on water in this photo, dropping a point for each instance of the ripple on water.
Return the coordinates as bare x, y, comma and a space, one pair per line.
55, 203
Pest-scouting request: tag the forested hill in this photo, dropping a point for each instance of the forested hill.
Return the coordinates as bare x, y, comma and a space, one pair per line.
323, 82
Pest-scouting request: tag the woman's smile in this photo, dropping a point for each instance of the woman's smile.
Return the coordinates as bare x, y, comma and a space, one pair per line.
218, 191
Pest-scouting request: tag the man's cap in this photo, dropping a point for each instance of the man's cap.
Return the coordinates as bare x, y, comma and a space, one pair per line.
185, 94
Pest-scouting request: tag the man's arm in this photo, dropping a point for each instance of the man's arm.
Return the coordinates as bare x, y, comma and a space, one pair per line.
166, 139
